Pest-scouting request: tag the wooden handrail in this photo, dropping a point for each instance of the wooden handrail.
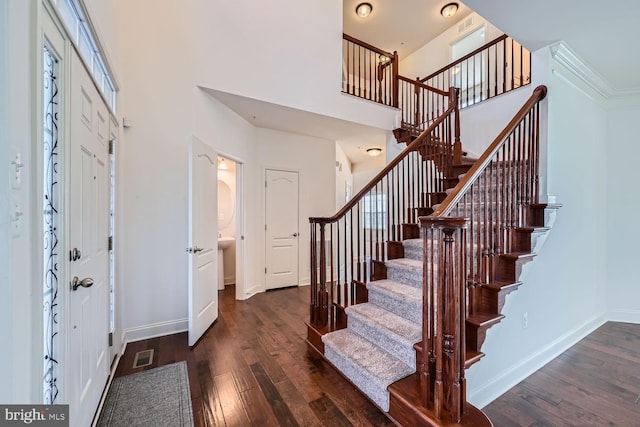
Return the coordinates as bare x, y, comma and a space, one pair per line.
467, 56
367, 45
470, 177
411, 147
424, 86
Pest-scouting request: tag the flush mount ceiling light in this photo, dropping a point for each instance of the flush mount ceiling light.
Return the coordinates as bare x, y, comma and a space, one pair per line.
449, 10
374, 151
364, 9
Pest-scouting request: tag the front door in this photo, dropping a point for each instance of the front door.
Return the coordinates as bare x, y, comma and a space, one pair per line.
203, 239
88, 198
281, 228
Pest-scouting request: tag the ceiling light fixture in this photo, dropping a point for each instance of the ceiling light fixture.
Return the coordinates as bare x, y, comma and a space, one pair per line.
374, 151
449, 10
364, 9
222, 165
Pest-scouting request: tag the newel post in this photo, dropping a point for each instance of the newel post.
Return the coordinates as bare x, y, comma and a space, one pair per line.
443, 319
318, 307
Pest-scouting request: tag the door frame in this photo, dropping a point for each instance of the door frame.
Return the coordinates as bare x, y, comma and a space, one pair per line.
264, 217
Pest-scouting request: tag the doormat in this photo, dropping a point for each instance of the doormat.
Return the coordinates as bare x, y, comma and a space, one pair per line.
157, 397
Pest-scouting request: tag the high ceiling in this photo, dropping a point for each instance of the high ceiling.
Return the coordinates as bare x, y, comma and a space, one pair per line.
603, 34
402, 25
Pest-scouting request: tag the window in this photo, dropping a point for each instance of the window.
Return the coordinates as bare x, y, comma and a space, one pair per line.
374, 211
83, 37
50, 218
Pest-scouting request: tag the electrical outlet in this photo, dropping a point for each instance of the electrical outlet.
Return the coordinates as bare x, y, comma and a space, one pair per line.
525, 320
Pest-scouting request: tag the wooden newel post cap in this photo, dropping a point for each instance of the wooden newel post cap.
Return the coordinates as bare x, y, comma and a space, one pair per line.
444, 222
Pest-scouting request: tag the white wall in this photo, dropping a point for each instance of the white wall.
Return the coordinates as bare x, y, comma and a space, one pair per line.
481, 123
20, 289
623, 202
6, 333
564, 289
436, 54
344, 178
279, 52
314, 159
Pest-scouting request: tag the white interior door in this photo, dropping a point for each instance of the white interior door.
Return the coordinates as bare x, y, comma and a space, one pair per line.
203, 239
88, 215
281, 228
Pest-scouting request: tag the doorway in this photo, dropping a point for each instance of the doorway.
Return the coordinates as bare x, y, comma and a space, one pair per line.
230, 190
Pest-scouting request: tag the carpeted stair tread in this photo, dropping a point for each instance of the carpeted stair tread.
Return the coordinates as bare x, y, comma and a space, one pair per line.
391, 332
401, 299
413, 249
369, 367
405, 270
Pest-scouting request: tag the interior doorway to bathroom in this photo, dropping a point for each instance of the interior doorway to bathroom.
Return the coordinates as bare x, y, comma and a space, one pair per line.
230, 224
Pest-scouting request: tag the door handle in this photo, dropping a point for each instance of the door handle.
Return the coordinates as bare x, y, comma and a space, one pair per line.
194, 250
85, 283
295, 234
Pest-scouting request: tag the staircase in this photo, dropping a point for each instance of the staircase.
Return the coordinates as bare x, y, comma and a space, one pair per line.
408, 277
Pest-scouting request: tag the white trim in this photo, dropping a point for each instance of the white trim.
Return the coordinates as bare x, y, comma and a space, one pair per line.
624, 316
570, 67
154, 330
105, 392
252, 291
491, 391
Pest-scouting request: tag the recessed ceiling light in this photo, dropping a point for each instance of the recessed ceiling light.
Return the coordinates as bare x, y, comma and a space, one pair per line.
364, 9
449, 10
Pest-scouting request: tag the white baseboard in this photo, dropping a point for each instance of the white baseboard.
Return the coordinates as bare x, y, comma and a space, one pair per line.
624, 316
154, 330
491, 391
252, 291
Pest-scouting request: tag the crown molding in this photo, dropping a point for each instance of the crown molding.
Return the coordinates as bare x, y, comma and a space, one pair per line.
570, 67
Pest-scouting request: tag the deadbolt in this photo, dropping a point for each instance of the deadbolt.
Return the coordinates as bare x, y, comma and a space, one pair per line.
75, 254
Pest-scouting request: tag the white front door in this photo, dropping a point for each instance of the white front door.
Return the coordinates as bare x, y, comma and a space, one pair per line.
88, 199
281, 228
203, 239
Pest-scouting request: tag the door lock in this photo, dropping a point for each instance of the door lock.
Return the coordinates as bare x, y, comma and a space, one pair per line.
75, 254
194, 250
85, 283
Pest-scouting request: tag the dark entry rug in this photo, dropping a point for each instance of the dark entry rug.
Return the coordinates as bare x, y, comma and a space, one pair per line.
157, 397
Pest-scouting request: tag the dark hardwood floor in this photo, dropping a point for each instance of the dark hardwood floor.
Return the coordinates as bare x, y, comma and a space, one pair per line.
253, 367
594, 383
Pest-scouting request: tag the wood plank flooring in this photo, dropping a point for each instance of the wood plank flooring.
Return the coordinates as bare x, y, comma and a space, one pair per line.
253, 368
594, 383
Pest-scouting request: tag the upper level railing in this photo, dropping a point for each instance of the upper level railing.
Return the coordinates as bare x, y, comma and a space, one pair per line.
369, 72
346, 246
463, 240
499, 66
